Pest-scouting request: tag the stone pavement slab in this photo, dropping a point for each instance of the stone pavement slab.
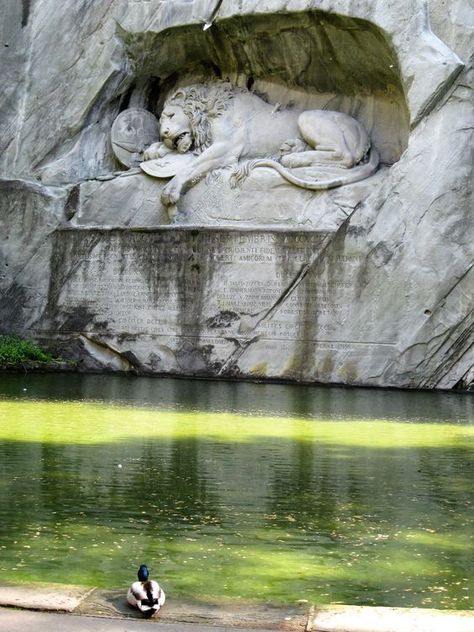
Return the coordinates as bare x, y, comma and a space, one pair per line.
112, 604
12, 620
43, 596
288, 618
377, 619
103, 610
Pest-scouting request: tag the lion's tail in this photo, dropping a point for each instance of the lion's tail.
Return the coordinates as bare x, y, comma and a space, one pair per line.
355, 174
239, 175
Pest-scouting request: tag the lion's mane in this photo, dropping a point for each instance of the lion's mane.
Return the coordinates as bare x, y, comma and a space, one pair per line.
201, 103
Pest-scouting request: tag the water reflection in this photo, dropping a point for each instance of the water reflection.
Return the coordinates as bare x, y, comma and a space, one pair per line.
336, 403
224, 503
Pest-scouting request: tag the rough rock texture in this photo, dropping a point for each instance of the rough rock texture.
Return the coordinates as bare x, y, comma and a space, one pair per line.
385, 297
29, 213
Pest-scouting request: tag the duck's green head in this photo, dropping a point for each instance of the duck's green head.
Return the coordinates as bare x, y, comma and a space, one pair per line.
143, 573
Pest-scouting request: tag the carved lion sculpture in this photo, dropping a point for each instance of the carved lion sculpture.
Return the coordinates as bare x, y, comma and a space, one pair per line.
223, 125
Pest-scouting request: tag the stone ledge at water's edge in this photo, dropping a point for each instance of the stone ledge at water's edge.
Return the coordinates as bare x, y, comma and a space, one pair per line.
307, 306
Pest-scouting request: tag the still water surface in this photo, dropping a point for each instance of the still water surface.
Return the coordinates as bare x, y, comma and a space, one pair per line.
236, 491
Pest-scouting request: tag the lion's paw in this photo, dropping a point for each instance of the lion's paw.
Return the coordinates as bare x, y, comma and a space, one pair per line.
153, 151
171, 193
293, 161
291, 146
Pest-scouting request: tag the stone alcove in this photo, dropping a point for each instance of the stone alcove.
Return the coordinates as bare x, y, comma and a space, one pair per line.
311, 59
302, 60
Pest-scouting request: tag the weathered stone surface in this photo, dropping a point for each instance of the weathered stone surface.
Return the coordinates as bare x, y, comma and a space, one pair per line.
258, 304
134, 200
403, 238
43, 596
121, 51
367, 619
29, 213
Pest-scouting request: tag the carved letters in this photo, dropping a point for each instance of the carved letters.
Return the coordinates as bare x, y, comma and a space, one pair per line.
210, 280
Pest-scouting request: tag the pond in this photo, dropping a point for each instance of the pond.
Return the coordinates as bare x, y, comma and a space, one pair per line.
238, 492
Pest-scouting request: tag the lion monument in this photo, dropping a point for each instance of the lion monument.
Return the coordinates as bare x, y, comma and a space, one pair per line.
219, 126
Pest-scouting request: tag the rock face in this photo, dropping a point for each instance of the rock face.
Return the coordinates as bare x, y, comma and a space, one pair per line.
368, 283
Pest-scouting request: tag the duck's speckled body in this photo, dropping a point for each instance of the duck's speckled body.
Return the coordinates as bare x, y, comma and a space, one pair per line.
146, 594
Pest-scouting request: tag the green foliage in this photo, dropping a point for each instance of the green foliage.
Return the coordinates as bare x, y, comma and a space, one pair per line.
15, 352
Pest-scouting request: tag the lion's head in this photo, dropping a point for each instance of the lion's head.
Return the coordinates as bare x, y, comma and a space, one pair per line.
186, 120
175, 128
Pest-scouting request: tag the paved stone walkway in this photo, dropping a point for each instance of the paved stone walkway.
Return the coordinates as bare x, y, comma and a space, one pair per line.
12, 620
373, 619
37, 608
338, 619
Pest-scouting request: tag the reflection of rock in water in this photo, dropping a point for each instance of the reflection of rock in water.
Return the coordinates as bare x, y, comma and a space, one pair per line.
233, 482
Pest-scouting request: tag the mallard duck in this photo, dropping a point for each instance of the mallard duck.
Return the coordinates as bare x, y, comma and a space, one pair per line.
145, 594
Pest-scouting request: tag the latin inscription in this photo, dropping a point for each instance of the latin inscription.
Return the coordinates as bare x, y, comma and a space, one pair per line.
212, 285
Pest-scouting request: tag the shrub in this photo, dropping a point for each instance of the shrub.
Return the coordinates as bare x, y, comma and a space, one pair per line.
17, 352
